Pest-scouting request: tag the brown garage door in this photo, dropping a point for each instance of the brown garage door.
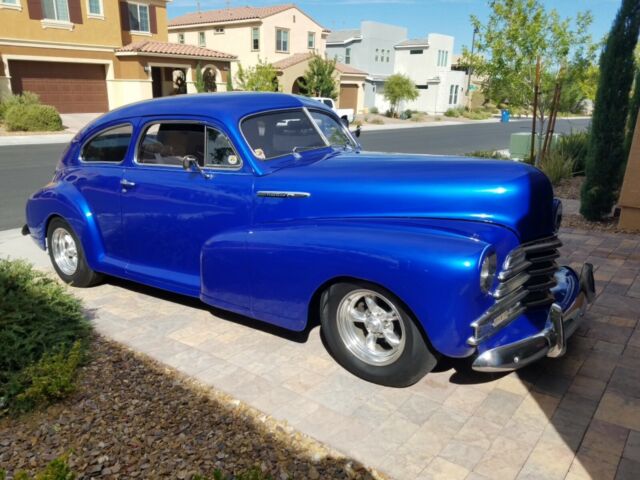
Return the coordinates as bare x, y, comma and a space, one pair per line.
70, 87
349, 96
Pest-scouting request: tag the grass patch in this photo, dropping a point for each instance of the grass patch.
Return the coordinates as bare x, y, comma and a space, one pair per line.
557, 165
43, 334
575, 146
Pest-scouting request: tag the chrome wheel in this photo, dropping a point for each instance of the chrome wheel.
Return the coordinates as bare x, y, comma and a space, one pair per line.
371, 327
64, 250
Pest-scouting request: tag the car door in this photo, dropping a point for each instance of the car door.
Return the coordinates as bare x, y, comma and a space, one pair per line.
168, 213
97, 178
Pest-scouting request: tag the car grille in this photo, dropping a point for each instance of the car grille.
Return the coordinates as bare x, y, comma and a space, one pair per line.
525, 282
531, 268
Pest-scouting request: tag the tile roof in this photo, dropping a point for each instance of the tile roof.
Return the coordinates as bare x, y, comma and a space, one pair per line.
229, 15
341, 36
348, 69
177, 49
414, 42
292, 60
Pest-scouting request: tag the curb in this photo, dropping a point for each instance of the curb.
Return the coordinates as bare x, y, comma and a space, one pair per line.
11, 140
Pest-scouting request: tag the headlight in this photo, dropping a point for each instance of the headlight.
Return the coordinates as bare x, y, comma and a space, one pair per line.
488, 272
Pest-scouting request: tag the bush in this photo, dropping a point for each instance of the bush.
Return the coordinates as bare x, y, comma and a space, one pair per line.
43, 334
374, 110
476, 114
406, 115
58, 469
417, 117
488, 154
27, 98
33, 118
557, 165
377, 121
576, 146
453, 112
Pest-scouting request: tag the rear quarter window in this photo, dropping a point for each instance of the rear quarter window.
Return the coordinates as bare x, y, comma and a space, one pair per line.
110, 145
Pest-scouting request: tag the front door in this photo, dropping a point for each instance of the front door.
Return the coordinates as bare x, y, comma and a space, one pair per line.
169, 213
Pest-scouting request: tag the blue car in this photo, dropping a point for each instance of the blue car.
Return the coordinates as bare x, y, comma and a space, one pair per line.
264, 204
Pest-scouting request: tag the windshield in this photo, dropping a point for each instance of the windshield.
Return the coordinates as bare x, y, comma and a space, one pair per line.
274, 134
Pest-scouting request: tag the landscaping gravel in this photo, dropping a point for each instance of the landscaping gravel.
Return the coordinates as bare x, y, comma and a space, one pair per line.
131, 418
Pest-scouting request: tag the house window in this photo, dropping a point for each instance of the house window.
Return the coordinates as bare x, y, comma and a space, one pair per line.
311, 40
9, 2
255, 38
282, 40
55, 10
388, 52
377, 51
138, 17
443, 58
453, 95
347, 56
201, 39
218, 30
416, 52
95, 8
181, 38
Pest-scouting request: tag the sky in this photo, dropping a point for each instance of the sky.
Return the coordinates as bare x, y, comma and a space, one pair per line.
450, 17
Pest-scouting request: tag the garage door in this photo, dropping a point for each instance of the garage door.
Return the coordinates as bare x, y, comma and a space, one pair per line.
70, 87
349, 96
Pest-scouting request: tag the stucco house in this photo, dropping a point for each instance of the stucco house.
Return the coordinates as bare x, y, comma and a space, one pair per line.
382, 50
282, 35
95, 55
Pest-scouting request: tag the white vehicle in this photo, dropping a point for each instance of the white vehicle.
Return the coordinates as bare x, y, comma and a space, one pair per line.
346, 114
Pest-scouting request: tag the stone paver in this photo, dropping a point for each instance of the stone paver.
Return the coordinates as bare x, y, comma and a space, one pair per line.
576, 417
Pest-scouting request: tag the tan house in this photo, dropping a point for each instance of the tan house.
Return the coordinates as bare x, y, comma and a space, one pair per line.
282, 35
95, 55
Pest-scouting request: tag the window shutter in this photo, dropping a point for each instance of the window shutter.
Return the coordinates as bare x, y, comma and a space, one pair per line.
124, 16
153, 21
35, 9
75, 11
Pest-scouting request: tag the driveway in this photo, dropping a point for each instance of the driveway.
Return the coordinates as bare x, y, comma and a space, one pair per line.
575, 417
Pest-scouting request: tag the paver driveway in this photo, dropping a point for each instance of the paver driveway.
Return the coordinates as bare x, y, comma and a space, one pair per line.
575, 417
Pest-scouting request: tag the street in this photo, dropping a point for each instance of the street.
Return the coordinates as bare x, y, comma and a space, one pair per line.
25, 168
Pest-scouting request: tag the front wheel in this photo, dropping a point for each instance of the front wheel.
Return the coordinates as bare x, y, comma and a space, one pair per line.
370, 333
67, 255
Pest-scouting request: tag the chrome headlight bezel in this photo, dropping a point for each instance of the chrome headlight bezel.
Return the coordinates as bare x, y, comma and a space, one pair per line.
488, 271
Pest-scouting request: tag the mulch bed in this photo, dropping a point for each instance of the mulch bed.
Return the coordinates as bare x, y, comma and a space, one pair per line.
569, 188
132, 418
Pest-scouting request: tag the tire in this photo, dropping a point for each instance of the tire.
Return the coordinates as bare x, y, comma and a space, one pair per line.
397, 354
72, 268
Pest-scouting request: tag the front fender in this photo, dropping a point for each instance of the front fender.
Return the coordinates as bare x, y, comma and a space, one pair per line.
431, 266
64, 200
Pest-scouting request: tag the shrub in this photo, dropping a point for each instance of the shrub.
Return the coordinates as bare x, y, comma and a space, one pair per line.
377, 121
557, 165
406, 114
476, 114
33, 118
374, 110
453, 112
576, 146
26, 98
417, 117
488, 154
58, 469
43, 334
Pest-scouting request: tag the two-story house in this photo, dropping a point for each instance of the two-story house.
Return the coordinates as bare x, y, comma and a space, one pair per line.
282, 35
428, 62
370, 48
95, 55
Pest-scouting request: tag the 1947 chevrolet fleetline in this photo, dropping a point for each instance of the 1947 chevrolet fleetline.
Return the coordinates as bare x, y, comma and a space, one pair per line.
264, 205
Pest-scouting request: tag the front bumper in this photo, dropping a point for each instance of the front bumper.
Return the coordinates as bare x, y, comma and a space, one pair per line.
563, 320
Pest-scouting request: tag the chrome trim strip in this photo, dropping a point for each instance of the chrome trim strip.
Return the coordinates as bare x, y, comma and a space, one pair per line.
511, 285
282, 194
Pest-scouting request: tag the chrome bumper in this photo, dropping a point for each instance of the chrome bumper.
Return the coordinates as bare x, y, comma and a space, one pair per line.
550, 342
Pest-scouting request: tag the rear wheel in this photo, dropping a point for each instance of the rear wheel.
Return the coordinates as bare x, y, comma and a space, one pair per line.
370, 333
67, 255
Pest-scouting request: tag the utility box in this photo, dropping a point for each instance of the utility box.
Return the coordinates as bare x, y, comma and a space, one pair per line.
520, 145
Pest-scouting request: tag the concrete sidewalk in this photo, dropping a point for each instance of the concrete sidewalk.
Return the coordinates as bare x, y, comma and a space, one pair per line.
576, 417
72, 122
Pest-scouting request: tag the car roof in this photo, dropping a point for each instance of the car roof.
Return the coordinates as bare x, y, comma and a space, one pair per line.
224, 106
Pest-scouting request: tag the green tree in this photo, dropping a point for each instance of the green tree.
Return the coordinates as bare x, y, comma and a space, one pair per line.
319, 78
607, 155
229, 82
399, 88
261, 78
509, 43
199, 83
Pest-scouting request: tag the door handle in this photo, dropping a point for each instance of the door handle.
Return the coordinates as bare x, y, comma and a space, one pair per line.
126, 183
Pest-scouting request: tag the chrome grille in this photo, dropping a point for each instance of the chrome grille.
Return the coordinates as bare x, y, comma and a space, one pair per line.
525, 281
531, 267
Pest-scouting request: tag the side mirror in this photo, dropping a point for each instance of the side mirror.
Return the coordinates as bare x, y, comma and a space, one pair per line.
356, 132
189, 162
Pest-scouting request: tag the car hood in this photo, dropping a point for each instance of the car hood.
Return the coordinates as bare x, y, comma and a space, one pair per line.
369, 185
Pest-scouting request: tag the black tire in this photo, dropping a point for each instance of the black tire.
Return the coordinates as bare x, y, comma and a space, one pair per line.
82, 276
416, 359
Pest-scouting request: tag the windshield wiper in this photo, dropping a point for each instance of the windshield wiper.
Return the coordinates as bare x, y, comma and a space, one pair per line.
296, 151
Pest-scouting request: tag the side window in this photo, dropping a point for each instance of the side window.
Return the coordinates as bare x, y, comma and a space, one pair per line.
220, 153
169, 143
108, 146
